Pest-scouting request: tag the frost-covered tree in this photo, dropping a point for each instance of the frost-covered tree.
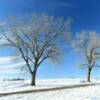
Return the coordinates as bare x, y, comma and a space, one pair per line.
88, 45
35, 38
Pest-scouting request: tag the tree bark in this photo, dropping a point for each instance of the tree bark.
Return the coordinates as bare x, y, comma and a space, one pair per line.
89, 74
33, 78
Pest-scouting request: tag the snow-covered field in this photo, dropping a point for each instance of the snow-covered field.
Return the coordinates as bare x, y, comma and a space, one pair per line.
82, 93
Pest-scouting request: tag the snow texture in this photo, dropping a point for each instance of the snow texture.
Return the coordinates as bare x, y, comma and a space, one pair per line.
82, 93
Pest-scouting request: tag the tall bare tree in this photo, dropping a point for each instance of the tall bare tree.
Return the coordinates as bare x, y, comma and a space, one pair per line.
35, 38
88, 45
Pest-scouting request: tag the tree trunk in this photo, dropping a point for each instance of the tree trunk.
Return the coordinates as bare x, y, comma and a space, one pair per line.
88, 74
33, 78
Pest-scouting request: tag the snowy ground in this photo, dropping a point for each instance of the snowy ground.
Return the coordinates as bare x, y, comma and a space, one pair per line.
83, 93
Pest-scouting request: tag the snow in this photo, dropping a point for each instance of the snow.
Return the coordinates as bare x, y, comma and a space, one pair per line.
13, 86
82, 93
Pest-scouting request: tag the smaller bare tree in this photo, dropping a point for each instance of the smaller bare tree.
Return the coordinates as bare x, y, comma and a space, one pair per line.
88, 45
36, 39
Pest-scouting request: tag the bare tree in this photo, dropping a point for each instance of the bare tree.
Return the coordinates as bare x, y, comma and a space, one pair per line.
35, 38
88, 45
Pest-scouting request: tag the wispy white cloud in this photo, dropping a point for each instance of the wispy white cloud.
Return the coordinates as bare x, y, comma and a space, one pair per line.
12, 68
7, 60
2, 23
10, 72
2, 41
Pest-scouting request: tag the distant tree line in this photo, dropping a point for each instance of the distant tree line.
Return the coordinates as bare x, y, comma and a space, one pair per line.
14, 79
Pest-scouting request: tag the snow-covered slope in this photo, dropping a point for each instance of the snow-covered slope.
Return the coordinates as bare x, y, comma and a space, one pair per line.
8, 86
83, 93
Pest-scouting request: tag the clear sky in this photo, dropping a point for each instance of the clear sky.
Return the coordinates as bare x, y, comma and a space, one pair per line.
85, 15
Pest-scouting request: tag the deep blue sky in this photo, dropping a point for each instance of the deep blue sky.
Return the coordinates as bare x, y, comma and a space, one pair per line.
85, 15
